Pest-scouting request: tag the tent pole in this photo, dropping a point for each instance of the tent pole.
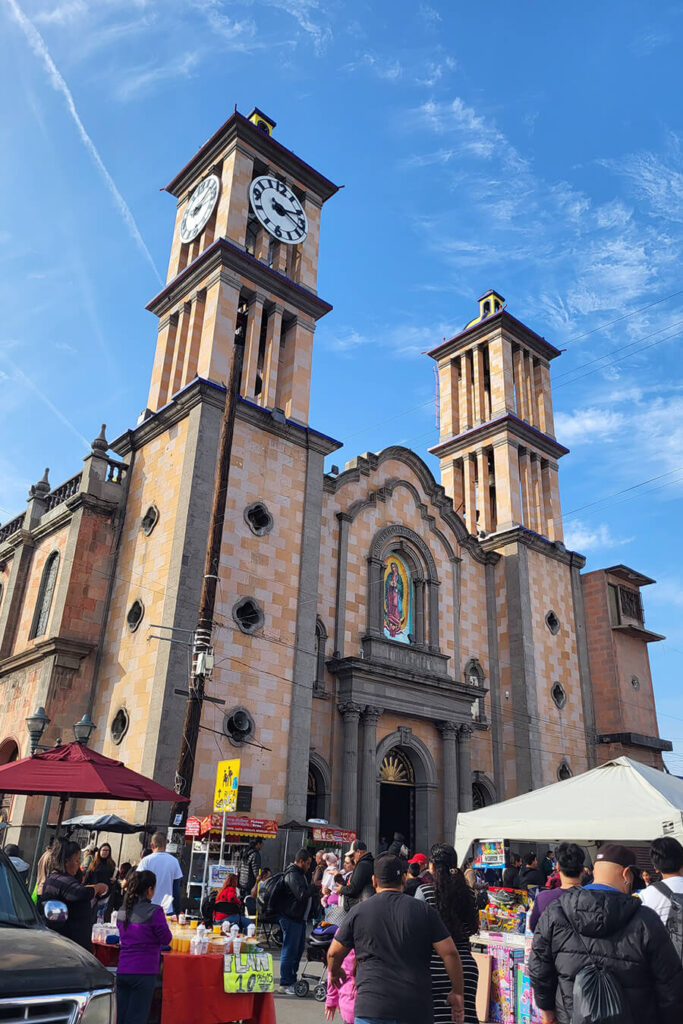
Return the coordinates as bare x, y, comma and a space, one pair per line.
60, 815
120, 848
40, 842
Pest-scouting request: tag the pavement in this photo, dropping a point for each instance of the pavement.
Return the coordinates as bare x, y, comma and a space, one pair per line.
292, 1009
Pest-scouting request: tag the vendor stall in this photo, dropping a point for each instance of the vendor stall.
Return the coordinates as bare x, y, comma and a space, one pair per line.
206, 870
620, 801
194, 988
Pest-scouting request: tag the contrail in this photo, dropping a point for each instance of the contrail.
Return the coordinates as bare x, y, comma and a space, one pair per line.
39, 47
43, 398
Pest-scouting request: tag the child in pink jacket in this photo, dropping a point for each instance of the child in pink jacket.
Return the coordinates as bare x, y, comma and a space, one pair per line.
343, 997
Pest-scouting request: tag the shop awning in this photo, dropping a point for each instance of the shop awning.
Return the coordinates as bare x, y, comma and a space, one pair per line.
237, 828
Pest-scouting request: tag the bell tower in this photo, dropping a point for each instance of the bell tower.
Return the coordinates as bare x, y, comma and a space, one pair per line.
497, 444
243, 258
499, 463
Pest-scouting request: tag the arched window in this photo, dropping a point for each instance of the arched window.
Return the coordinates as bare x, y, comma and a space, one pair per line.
397, 599
317, 791
320, 655
474, 676
9, 751
45, 594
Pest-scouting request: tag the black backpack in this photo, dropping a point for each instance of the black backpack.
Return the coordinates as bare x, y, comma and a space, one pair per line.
269, 897
674, 922
597, 995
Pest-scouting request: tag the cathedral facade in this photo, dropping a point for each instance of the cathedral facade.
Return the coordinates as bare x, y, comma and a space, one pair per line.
388, 649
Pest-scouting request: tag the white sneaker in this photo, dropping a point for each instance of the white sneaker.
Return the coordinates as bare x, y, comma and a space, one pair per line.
287, 990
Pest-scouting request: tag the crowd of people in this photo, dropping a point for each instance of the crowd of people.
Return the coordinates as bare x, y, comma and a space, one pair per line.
404, 927
401, 950
93, 888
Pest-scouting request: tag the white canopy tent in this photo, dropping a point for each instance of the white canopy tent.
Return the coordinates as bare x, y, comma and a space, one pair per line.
621, 800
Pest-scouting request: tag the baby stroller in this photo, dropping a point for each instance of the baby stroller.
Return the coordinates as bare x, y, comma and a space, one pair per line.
316, 953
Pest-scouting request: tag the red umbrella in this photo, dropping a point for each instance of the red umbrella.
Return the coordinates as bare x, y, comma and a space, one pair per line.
74, 770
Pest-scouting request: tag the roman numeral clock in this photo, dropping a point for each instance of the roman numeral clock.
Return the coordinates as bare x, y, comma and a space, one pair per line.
278, 209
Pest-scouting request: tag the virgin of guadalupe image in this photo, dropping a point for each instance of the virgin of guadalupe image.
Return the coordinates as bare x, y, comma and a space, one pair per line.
393, 601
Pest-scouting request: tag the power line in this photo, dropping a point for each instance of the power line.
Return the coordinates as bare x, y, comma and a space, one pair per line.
624, 316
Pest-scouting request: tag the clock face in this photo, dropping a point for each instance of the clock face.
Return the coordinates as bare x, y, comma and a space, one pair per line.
278, 209
199, 208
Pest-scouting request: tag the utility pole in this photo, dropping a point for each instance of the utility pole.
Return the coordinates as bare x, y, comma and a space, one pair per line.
207, 604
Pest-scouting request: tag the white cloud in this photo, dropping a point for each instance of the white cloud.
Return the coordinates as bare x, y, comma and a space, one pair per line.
668, 592
581, 537
389, 70
655, 181
588, 426
305, 14
136, 81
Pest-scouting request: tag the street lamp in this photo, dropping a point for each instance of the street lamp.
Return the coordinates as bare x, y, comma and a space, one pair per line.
84, 729
36, 724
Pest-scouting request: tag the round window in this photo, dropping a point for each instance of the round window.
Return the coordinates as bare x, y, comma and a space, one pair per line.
238, 725
258, 518
248, 615
553, 623
149, 520
558, 694
119, 725
134, 616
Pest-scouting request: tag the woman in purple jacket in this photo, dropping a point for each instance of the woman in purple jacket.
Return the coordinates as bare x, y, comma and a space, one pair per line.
143, 932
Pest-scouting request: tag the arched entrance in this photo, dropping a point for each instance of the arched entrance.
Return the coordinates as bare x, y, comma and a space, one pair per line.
397, 796
318, 790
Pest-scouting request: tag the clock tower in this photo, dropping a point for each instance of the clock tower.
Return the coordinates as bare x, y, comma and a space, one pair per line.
245, 242
242, 270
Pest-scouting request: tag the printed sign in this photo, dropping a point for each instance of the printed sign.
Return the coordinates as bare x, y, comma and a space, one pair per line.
264, 828
192, 826
218, 873
333, 835
489, 853
248, 972
227, 784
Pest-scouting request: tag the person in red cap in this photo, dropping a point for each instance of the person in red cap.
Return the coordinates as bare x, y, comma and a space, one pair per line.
416, 874
605, 936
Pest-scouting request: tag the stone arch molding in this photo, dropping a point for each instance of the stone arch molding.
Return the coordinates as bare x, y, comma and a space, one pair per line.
396, 531
423, 763
322, 766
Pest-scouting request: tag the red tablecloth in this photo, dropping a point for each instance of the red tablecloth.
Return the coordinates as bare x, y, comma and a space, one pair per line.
193, 991
108, 955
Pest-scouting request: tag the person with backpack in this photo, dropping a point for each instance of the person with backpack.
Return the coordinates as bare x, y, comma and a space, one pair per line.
598, 946
293, 901
665, 897
250, 866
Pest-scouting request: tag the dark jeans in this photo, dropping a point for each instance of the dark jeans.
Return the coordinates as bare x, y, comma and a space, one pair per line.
293, 945
134, 994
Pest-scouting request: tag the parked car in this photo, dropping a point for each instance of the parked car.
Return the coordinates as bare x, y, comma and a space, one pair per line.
44, 976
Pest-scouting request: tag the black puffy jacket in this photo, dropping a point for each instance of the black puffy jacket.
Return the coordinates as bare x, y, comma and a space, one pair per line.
617, 932
359, 884
296, 895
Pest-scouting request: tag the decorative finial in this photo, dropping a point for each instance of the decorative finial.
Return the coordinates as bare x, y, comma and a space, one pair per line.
42, 487
100, 444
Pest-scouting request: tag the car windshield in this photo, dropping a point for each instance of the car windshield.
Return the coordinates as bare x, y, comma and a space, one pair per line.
16, 909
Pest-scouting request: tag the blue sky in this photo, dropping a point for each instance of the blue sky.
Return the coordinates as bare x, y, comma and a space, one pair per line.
533, 150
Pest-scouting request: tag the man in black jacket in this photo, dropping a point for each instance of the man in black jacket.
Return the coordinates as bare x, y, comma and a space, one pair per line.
293, 905
359, 885
511, 873
603, 924
530, 873
249, 868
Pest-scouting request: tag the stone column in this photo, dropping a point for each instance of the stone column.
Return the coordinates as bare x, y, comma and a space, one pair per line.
449, 784
368, 777
468, 461
419, 612
465, 766
255, 317
349, 796
272, 360
375, 576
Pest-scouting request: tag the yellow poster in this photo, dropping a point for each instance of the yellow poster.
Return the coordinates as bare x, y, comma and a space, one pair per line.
248, 972
227, 784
